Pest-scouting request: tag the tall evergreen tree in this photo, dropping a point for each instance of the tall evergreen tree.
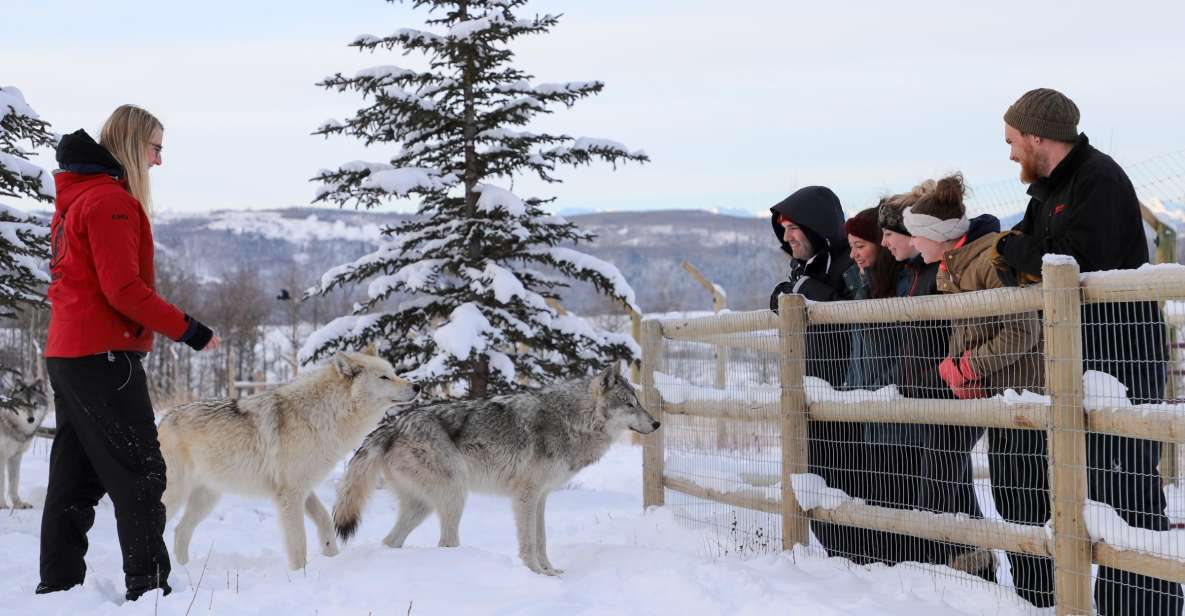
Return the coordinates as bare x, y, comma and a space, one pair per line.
24, 239
458, 295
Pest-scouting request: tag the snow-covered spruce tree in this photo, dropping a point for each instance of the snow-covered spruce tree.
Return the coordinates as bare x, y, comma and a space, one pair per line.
24, 239
458, 295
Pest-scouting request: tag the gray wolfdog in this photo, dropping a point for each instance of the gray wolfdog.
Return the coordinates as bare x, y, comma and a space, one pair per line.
19, 420
523, 446
279, 444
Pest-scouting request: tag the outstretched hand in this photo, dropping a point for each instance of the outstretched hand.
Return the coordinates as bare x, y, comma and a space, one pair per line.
213, 344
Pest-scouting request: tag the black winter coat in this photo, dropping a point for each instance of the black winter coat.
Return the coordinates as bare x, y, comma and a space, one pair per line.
1088, 209
923, 343
816, 210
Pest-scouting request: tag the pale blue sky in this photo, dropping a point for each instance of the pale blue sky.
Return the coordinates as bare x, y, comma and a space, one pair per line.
736, 106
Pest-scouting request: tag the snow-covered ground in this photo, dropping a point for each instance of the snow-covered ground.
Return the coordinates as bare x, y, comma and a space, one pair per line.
618, 560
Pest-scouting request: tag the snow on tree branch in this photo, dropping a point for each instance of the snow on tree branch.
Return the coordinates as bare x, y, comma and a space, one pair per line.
608, 273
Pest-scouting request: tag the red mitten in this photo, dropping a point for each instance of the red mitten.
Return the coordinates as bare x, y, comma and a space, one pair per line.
970, 391
951, 374
965, 368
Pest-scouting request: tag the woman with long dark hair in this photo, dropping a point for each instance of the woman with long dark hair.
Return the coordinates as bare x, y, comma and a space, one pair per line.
104, 312
890, 454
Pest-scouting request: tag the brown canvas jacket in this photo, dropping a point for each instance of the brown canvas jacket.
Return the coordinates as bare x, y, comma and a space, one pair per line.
1005, 351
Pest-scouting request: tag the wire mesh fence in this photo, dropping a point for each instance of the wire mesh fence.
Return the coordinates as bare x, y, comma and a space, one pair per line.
1009, 436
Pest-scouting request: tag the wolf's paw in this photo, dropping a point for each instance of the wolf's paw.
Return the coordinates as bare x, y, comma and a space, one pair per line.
329, 548
391, 543
20, 504
541, 569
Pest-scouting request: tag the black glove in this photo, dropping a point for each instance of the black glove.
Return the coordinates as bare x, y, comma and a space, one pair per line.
197, 335
784, 287
1010, 276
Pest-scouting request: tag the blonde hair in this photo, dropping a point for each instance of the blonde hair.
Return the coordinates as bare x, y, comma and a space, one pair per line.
906, 200
126, 134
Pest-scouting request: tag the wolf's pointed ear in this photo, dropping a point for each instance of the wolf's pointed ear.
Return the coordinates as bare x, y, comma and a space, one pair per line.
601, 381
346, 366
607, 377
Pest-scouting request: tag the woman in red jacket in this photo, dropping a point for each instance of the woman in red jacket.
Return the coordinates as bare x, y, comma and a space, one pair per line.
104, 311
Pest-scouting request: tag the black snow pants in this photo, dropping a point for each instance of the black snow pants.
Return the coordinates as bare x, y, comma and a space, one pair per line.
835, 451
106, 443
1122, 473
1126, 341
894, 473
947, 485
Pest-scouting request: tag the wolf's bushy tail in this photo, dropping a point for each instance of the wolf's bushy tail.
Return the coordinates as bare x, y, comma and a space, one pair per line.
355, 489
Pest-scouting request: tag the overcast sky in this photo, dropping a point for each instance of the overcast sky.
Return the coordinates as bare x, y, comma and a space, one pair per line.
736, 107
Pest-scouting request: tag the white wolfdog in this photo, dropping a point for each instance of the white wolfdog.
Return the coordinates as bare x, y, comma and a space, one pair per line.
18, 426
278, 444
523, 446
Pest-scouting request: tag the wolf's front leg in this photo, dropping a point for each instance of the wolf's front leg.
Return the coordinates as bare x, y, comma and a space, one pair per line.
320, 517
291, 509
541, 537
450, 504
14, 481
526, 519
3, 473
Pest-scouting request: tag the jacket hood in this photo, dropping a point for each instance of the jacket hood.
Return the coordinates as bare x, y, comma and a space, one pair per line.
83, 165
79, 153
817, 210
982, 225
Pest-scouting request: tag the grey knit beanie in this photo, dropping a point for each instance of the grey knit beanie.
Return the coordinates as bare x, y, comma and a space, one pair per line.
1046, 113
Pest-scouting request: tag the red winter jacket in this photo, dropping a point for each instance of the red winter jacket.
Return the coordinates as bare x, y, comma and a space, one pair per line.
103, 296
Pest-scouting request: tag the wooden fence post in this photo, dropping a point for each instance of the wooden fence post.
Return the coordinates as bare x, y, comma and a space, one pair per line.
260, 382
1067, 437
652, 444
719, 303
636, 333
232, 392
792, 413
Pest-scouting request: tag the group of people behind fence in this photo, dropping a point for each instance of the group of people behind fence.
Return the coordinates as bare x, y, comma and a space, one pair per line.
922, 242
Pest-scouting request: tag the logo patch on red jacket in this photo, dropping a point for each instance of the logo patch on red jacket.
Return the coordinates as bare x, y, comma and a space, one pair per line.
57, 246
1058, 210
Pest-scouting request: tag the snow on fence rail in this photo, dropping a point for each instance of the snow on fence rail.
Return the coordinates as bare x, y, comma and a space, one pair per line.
1072, 411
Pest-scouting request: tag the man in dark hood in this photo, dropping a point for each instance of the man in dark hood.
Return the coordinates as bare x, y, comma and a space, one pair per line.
809, 226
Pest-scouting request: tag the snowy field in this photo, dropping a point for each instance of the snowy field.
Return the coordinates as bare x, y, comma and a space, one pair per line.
618, 560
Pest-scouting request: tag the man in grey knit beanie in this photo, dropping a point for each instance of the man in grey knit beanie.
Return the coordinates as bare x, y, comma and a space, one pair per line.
1041, 127
1084, 206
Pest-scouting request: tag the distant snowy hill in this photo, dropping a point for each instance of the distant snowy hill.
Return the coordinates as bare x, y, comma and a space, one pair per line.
737, 252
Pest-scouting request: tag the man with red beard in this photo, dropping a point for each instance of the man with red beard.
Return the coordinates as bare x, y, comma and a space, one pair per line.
1083, 205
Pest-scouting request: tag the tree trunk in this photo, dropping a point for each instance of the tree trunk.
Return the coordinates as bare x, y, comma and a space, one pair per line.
480, 376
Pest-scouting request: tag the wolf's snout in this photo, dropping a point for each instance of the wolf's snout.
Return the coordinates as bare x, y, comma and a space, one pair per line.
30, 420
657, 424
415, 388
